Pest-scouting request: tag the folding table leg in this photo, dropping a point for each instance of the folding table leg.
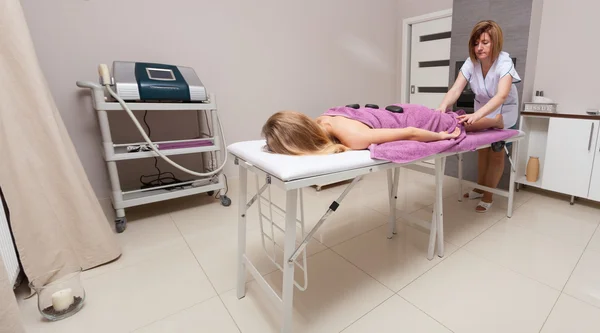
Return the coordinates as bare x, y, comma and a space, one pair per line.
288, 267
241, 269
393, 178
395, 192
513, 175
432, 234
460, 177
440, 166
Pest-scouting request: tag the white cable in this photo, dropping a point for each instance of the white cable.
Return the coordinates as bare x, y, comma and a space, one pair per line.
152, 145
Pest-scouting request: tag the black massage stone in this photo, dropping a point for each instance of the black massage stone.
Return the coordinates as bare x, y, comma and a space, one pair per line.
372, 106
354, 106
394, 108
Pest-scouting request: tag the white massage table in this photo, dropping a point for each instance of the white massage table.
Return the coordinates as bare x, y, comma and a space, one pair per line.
292, 173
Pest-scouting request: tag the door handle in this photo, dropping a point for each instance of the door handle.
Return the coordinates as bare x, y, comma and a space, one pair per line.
412, 89
591, 135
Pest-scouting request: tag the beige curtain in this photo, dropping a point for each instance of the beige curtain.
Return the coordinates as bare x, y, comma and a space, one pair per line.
55, 216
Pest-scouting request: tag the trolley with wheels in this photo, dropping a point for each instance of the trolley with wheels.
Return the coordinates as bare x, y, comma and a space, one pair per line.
210, 182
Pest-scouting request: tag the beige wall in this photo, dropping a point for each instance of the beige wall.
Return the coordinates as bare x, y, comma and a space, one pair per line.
257, 56
567, 69
407, 9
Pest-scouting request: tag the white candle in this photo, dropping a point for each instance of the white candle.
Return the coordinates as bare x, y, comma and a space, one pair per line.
62, 299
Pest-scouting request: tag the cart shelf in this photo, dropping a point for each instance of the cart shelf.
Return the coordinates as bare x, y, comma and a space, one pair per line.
113, 153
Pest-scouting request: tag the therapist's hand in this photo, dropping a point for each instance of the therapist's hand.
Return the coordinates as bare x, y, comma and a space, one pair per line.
469, 119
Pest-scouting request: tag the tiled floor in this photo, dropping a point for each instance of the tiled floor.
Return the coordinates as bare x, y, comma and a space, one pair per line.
538, 271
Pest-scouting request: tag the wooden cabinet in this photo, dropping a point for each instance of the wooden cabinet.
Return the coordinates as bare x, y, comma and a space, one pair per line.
570, 152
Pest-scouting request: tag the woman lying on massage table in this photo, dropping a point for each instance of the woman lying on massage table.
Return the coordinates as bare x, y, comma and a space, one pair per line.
344, 128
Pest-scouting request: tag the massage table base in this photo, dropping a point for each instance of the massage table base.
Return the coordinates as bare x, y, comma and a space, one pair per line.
293, 188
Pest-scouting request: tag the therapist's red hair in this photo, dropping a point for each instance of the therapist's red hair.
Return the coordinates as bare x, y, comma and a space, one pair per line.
494, 31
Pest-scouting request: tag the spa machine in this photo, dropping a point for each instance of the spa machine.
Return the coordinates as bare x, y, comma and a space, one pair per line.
141, 86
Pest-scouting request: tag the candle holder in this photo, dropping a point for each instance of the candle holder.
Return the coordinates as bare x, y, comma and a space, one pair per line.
60, 293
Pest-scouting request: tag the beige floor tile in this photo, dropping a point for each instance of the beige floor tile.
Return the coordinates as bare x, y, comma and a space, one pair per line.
217, 248
338, 294
571, 315
416, 191
534, 255
129, 298
557, 219
521, 197
348, 222
208, 316
213, 217
595, 242
394, 262
491, 285
461, 222
145, 238
469, 294
584, 283
396, 315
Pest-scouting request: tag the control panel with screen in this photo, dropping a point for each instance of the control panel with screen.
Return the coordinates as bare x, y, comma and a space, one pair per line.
160, 74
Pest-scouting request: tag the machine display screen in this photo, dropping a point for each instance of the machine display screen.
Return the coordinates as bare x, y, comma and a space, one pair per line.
160, 74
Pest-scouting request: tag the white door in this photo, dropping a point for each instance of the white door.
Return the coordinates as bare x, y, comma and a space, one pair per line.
570, 151
430, 61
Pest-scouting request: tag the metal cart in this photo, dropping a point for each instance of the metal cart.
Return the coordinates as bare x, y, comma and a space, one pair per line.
113, 153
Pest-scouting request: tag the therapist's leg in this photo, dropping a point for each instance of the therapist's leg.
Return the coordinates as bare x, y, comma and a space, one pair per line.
482, 167
493, 174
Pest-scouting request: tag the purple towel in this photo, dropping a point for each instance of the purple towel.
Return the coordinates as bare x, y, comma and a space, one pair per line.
405, 151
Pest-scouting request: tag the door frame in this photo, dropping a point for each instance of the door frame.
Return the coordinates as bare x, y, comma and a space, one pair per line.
406, 47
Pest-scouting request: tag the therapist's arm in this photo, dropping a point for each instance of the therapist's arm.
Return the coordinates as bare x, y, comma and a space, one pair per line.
454, 92
503, 90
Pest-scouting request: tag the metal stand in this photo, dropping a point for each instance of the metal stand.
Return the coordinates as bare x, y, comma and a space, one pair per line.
293, 250
113, 153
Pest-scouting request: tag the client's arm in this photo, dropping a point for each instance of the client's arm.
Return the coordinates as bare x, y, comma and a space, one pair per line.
363, 138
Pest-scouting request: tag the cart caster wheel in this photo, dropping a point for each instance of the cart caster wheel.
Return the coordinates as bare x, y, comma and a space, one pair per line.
210, 193
121, 224
225, 201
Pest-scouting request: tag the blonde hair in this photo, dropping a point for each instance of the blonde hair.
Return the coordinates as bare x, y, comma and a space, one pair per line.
491, 28
293, 133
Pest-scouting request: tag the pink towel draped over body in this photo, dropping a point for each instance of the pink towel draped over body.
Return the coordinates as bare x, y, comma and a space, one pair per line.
405, 151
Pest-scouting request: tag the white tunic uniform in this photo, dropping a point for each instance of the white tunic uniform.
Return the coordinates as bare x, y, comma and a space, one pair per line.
486, 89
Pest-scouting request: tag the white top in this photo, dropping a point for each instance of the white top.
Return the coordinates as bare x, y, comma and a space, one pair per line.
486, 89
